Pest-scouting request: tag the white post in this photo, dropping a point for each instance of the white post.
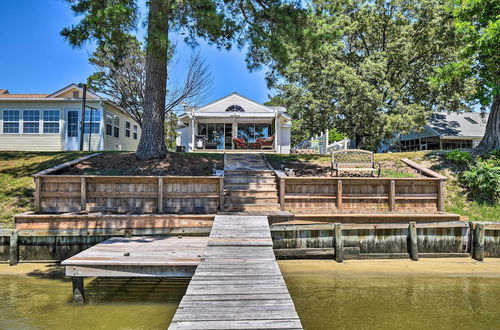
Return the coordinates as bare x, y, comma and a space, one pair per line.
192, 144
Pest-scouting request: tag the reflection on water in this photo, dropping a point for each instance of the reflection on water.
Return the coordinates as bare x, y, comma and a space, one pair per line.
328, 299
43, 303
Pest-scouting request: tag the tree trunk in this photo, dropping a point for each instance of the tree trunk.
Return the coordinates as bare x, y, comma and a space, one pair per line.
491, 138
152, 143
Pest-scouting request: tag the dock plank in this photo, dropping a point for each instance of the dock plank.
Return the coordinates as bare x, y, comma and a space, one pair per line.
238, 284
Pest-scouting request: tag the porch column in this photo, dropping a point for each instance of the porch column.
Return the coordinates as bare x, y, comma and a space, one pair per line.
193, 132
276, 132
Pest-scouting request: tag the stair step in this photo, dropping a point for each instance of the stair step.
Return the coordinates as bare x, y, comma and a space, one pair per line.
250, 200
251, 207
249, 186
250, 173
255, 192
249, 179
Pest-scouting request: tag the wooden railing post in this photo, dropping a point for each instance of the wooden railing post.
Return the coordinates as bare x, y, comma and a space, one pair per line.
392, 195
160, 194
14, 248
339, 245
339, 194
412, 240
478, 242
440, 196
221, 194
38, 193
83, 193
282, 192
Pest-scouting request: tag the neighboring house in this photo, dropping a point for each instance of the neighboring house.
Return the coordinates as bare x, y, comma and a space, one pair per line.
446, 131
51, 122
225, 123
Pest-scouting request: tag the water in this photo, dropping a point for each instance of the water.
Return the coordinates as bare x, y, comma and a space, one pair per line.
327, 296
42, 303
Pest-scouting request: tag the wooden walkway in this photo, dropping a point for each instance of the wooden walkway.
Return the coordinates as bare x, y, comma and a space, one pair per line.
238, 284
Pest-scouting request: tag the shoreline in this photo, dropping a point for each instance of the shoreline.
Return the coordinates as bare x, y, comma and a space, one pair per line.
383, 267
451, 267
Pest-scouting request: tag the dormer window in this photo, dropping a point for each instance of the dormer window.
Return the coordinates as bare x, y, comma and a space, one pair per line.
235, 108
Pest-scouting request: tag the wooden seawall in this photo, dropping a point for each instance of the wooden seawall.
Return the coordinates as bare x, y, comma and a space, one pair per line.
238, 284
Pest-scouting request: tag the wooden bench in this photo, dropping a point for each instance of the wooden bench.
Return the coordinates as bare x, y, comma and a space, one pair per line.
354, 160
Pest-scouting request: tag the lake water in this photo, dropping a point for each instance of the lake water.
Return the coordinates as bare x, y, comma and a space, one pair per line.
325, 298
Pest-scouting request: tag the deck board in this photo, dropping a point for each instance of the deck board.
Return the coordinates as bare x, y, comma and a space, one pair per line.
238, 284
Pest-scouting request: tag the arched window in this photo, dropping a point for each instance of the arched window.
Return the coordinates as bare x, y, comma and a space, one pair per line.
235, 108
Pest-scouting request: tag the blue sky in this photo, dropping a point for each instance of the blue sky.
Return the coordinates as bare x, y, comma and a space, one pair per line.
36, 59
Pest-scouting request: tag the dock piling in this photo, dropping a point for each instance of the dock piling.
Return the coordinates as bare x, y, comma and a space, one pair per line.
412, 238
478, 242
339, 245
78, 290
14, 248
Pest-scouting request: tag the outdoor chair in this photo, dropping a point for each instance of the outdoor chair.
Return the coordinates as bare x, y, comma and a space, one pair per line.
352, 160
266, 143
240, 143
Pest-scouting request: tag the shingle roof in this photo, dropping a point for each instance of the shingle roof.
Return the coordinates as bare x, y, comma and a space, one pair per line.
4, 91
23, 96
459, 124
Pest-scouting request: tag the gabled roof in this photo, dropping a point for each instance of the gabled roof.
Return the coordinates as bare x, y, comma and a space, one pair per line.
443, 124
234, 98
4, 94
471, 124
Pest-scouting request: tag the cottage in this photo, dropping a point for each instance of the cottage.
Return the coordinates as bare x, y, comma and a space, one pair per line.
235, 122
447, 131
51, 122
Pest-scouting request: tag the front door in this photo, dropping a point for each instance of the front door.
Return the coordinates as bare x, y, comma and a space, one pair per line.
72, 134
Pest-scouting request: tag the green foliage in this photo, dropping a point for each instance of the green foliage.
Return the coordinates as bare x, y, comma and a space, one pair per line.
482, 182
334, 135
460, 158
365, 67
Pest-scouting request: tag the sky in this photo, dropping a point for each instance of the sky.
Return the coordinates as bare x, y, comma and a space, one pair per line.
35, 58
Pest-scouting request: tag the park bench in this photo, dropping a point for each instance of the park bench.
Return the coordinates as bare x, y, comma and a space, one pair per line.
352, 160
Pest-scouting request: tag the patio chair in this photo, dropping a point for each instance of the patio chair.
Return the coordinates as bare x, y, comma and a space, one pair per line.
240, 143
266, 143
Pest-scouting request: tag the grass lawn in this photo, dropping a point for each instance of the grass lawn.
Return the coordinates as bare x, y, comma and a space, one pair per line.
17, 185
456, 198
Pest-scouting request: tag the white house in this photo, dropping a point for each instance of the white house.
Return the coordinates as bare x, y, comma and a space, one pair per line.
51, 122
235, 122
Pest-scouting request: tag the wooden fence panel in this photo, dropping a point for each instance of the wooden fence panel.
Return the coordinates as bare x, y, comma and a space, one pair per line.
136, 194
363, 194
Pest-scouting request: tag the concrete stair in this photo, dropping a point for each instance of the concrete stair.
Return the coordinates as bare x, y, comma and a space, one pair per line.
250, 191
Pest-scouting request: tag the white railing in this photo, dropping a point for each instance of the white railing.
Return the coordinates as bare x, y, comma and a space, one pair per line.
320, 144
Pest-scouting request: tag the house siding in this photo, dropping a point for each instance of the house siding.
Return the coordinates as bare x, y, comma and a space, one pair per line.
122, 142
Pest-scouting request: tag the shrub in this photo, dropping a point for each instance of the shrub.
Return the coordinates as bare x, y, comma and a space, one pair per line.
482, 181
460, 158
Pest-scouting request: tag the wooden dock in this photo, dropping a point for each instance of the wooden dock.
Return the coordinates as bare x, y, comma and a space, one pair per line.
135, 257
238, 284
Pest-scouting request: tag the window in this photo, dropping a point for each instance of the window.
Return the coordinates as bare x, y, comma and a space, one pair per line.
136, 131
95, 121
116, 126
109, 124
127, 129
31, 121
76, 94
51, 121
11, 121
235, 108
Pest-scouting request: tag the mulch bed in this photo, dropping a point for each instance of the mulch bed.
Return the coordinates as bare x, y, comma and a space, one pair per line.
312, 168
126, 164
